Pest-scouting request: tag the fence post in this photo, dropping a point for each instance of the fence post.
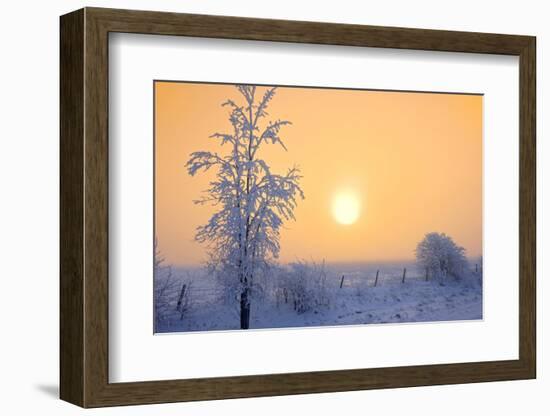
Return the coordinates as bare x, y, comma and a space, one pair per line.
180, 299
181, 308
426, 274
476, 267
376, 280
342, 282
404, 273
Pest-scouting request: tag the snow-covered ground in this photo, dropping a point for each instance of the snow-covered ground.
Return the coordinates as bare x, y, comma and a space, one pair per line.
357, 302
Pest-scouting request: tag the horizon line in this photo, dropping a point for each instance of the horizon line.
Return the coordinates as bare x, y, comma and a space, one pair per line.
343, 262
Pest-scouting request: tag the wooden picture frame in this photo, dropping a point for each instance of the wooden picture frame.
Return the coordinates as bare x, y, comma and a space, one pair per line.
84, 207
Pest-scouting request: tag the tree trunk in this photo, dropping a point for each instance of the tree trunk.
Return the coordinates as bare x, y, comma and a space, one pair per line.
245, 309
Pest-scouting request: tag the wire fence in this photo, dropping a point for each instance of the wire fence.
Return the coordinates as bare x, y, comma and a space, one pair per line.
204, 289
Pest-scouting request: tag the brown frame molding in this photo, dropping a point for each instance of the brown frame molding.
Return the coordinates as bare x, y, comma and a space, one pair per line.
84, 207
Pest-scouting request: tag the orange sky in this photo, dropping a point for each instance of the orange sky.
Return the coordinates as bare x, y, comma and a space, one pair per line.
413, 159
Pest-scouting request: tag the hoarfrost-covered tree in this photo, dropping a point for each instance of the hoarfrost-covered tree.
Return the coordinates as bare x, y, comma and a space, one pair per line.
440, 256
243, 234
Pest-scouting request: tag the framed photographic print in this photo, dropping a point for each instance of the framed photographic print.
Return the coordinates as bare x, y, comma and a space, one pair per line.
256, 207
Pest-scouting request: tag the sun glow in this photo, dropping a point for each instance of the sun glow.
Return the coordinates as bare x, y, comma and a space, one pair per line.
346, 207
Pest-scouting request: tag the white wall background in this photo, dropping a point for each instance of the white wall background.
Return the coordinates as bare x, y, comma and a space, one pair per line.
29, 209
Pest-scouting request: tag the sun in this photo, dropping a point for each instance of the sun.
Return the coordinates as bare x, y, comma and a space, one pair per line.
346, 207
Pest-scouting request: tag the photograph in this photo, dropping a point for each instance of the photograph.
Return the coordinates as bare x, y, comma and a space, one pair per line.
289, 206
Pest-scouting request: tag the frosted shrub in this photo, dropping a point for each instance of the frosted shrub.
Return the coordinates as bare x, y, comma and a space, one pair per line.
163, 283
164, 286
227, 282
440, 256
172, 295
304, 286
